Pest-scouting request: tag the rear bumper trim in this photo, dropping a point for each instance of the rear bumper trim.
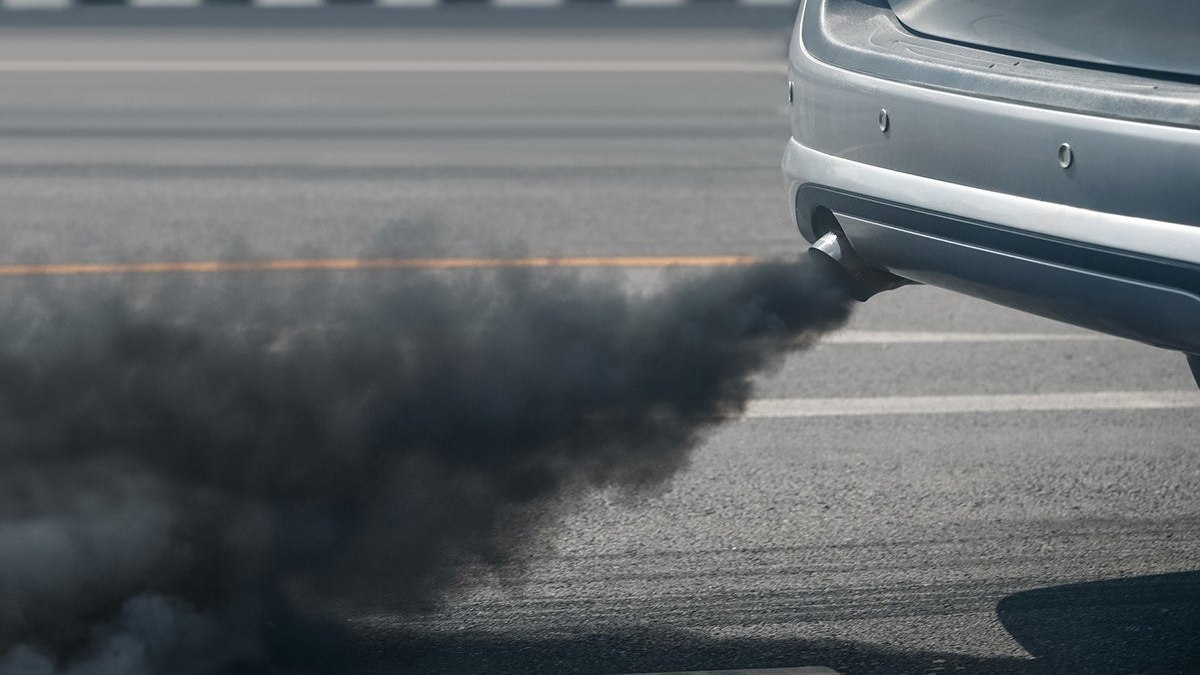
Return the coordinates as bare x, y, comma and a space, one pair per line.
1098, 229
1116, 304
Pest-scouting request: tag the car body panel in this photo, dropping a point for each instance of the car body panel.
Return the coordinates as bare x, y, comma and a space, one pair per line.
865, 36
966, 189
1157, 35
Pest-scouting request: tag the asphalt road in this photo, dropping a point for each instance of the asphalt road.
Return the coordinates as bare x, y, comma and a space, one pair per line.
869, 543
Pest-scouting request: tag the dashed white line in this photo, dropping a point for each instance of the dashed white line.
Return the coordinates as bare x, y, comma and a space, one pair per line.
881, 337
995, 403
36, 4
527, 3
808, 670
650, 3
288, 3
165, 3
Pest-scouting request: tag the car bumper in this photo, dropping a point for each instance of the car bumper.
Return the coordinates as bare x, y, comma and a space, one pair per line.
967, 191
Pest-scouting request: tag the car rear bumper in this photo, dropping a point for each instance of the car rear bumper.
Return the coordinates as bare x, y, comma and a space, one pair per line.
805, 166
979, 242
965, 190
1141, 297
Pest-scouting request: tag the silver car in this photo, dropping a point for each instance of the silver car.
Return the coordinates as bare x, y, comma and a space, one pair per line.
1044, 155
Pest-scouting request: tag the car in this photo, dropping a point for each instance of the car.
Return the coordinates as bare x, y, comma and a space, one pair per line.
1041, 155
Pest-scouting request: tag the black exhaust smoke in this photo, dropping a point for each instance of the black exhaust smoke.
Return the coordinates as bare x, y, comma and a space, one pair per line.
182, 466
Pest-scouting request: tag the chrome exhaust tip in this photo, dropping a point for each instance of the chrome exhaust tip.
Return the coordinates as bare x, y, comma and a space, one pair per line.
863, 280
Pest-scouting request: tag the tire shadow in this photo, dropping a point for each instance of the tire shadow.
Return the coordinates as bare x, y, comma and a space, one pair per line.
658, 650
1148, 625
1140, 625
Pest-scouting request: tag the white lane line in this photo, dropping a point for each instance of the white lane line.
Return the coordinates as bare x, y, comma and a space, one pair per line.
36, 4
300, 66
810, 670
807, 670
288, 3
884, 337
164, 3
651, 3
940, 405
526, 3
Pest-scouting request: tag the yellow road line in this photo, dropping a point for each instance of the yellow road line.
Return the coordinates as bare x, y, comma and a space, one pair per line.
354, 264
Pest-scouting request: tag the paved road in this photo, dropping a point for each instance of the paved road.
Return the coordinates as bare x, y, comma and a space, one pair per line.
872, 543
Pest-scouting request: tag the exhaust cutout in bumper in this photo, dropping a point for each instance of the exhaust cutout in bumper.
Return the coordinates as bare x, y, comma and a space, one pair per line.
863, 280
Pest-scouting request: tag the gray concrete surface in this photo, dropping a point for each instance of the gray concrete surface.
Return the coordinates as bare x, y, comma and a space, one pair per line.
877, 544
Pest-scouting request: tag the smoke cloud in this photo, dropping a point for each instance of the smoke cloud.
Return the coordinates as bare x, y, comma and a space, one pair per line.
185, 466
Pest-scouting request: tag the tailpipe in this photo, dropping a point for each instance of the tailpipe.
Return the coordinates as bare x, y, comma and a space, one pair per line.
863, 280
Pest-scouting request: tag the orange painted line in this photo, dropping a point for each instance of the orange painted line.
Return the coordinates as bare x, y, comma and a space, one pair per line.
354, 264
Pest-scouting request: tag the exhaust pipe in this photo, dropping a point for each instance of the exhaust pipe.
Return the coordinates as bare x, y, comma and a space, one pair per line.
863, 280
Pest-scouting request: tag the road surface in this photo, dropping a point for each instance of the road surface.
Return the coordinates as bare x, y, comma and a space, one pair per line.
980, 454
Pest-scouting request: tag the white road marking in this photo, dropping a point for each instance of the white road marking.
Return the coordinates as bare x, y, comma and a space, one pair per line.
651, 3
288, 3
941, 405
408, 3
383, 66
809, 670
884, 337
527, 3
165, 3
35, 4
